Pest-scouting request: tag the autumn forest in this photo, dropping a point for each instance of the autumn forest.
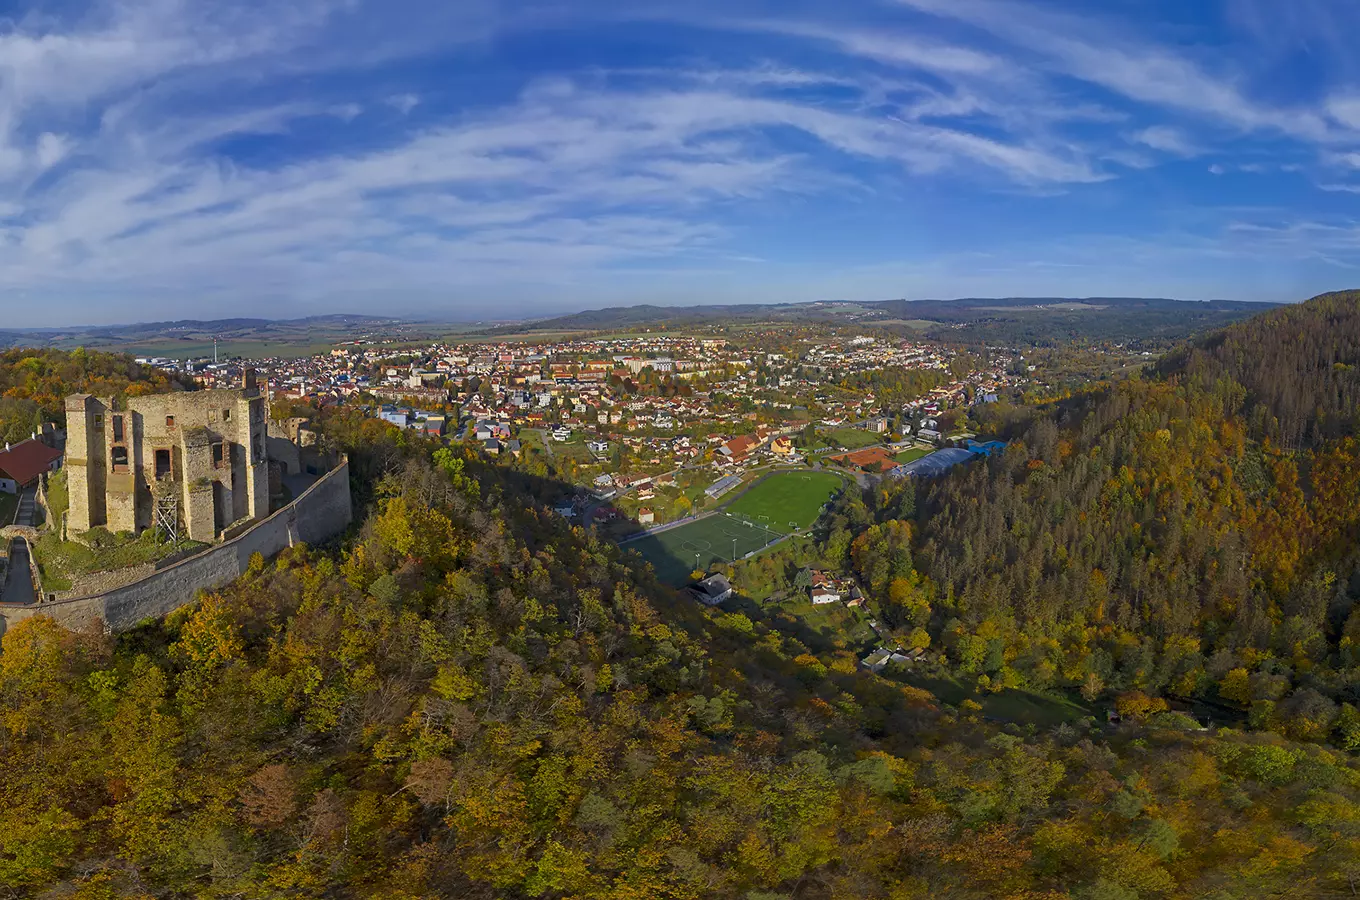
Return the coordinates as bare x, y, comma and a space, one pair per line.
467, 697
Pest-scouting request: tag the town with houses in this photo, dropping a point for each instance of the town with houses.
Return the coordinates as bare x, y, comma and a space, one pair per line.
636, 411
653, 431
663, 402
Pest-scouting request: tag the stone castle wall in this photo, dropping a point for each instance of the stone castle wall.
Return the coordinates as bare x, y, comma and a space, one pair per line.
207, 447
320, 513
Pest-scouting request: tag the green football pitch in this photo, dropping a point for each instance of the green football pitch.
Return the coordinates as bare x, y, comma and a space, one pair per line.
786, 501
718, 538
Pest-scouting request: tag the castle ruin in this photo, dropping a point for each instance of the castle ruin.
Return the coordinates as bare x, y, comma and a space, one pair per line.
201, 455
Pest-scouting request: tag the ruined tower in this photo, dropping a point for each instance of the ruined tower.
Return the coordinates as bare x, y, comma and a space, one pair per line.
207, 448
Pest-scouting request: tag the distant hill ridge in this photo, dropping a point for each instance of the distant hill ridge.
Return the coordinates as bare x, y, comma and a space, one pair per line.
647, 312
222, 324
1004, 320
1007, 320
113, 336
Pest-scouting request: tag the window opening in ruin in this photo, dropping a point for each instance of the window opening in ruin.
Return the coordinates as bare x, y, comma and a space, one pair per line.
98, 421
169, 421
226, 414
117, 428
162, 463
219, 456
119, 457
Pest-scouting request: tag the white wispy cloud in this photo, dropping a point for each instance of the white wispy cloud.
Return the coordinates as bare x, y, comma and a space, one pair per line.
164, 149
1113, 57
1167, 139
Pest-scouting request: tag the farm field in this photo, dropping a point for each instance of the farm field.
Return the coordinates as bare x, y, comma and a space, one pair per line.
677, 552
247, 349
786, 501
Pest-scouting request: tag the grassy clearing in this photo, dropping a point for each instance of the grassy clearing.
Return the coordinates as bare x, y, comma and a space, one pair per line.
788, 497
1019, 706
1027, 707
852, 438
8, 504
59, 562
576, 450
834, 624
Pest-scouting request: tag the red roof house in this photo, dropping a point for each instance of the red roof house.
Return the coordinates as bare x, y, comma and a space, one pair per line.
22, 463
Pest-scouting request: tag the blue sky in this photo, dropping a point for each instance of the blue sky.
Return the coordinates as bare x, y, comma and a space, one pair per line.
479, 159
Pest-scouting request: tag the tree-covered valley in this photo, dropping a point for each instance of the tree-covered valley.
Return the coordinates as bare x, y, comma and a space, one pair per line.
469, 698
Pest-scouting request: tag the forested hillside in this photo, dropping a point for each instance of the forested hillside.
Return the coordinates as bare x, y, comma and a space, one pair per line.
34, 384
1188, 536
1299, 364
469, 699
472, 700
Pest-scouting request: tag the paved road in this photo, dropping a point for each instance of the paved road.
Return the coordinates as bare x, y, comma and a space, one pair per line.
19, 581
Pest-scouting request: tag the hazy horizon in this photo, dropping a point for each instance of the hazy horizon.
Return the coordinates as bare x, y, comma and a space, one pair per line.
509, 320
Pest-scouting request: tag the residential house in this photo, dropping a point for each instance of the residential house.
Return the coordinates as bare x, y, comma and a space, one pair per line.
712, 590
823, 595
881, 658
739, 448
22, 464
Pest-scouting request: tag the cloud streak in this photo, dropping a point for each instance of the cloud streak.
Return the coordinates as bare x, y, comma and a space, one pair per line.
174, 153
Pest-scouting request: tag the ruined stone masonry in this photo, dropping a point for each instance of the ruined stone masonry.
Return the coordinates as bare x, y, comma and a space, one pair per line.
319, 514
206, 449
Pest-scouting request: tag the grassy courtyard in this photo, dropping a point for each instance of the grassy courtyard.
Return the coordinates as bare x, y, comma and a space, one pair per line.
60, 562
788, 500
